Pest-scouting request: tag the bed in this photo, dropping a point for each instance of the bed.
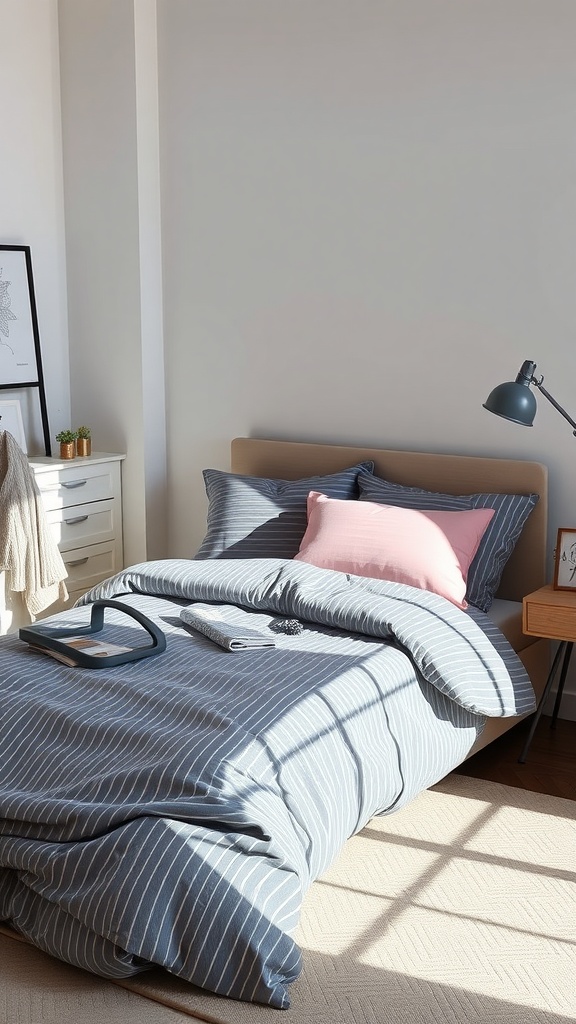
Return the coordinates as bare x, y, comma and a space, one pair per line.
526, 569
173, 811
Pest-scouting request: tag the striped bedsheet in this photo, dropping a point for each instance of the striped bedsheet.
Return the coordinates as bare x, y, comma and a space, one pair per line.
173, 811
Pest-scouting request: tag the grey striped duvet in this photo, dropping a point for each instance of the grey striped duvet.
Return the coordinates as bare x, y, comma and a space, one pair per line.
173, 811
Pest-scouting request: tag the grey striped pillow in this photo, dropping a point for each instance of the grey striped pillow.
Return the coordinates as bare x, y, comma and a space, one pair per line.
497, 544
256, 517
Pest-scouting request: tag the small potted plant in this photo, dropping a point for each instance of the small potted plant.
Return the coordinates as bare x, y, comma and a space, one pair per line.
67, 440
83, 441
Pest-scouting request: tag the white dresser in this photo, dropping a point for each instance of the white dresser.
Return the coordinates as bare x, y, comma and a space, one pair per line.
83, 502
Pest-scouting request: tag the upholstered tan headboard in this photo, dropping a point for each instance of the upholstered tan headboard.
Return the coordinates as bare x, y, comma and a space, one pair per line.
451, 474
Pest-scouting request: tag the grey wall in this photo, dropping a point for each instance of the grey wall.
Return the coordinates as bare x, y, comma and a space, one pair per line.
31, 195
368, 221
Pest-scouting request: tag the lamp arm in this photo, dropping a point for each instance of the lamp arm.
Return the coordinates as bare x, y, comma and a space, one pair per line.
538, 384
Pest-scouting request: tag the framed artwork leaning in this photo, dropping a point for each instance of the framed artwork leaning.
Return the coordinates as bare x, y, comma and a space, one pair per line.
20, 357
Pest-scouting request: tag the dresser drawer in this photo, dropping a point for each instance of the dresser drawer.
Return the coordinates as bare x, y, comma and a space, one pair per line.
88, 566
78, 485
81, 525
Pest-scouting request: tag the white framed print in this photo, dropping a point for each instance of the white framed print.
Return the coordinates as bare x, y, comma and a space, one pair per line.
565, 560
11, 420
18, 321
20, 356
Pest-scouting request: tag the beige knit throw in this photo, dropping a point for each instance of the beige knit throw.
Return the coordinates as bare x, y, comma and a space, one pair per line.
28, 550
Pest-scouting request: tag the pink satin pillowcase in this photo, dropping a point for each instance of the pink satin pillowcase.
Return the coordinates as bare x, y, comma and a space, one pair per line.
430, 550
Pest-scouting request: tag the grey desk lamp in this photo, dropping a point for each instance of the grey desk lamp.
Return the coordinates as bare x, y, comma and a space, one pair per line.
515, 401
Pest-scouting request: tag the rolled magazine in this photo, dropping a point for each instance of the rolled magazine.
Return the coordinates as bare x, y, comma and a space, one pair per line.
208, 619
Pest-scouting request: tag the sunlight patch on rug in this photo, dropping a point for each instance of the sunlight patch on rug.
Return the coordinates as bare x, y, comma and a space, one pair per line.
463, 894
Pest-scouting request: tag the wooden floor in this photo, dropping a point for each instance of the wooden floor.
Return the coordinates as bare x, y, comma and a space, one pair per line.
550, 766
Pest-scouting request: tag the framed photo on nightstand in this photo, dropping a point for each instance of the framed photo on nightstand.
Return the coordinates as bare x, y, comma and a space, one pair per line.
565, 560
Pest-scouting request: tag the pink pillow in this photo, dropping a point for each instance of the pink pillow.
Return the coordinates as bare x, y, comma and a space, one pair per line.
428, 550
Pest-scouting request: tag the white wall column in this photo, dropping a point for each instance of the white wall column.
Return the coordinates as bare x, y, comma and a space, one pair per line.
110, 152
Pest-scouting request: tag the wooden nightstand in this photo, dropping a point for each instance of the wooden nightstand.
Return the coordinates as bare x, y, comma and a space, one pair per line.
551, 614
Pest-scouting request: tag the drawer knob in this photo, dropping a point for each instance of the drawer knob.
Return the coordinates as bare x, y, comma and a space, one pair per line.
76, 519
73, 483
78, 561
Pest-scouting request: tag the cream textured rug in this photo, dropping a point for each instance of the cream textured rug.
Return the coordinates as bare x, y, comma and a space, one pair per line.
459, 908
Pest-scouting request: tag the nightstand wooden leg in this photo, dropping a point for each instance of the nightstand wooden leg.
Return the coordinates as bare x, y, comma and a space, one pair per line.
564, 648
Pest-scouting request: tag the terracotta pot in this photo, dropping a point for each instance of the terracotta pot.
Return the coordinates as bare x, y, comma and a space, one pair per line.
67, 450
83, 446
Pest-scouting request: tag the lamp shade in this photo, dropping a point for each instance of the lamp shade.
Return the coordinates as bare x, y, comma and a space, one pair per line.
514, 400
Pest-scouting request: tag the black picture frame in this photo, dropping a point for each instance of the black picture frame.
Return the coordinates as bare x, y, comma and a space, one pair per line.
20, 355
